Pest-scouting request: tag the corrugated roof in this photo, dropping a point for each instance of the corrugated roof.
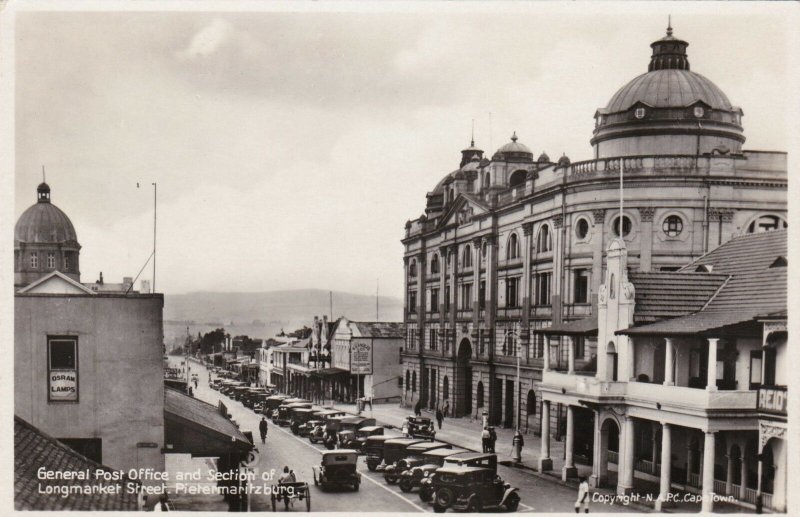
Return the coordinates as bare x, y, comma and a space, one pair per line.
380, 329
201, 413
762, 291
34, 449
744, 254
661, 295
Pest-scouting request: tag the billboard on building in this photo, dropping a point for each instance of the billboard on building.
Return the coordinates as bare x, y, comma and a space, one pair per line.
361, 358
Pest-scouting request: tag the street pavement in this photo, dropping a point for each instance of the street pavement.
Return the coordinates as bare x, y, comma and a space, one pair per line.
283, 448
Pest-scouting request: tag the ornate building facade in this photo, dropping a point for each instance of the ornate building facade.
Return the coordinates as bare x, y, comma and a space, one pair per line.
511, 244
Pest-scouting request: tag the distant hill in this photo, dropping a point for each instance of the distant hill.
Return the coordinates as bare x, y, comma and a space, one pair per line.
264, 314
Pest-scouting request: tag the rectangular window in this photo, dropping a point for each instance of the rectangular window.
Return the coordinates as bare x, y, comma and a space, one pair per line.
433, 337
580, 348
34, 260
466, 297
543, 288
66, 262
581, 286
412, 301
51, 260
434, 300
62, 369
511, 292
482, 294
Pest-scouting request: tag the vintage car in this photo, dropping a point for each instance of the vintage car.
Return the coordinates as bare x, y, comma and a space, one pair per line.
337, 469
238, 392
432, 459
470, 459
289, 493
216, 384
420, 427
299, 418
373, 448
412, 458
346, 435
315, 430
283, 417
393, 449
251, 396
271, 403
473, 489
363, 433
258, 402
227, 386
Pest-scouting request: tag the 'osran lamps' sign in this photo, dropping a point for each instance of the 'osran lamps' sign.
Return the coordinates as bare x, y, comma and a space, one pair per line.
361, 358
63, 385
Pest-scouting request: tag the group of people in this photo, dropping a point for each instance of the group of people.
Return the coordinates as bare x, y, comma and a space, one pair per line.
488, 438
440, 413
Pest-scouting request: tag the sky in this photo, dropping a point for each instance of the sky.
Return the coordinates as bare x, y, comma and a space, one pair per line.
290, 148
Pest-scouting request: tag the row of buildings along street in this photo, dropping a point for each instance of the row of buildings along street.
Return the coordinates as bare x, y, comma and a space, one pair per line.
621, 319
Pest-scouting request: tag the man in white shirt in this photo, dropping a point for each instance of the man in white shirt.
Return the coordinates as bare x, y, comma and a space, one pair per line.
583, 496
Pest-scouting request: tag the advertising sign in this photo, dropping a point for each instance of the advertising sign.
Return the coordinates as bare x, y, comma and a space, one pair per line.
63, 385
361, 358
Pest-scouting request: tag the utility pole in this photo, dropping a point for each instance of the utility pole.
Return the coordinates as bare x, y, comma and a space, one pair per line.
155, 218
377, 300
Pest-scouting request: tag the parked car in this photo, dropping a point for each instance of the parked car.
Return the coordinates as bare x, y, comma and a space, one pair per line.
420, 427
299, 418
337, 469
432, 459
470, 459
394, 449
473, 489
363, 433
348, 426
271, 403
283, 417
412, 458
373, 448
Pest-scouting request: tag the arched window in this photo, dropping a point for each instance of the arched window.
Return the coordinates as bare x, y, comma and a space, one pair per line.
412, 268
582, 228
414, 382
452, 195
445, 388
467, 256
479, 395
512, 250
517, 178
626, 226
484, 249
408, 380
767, 223
487, 180
544, 242
435, 264
611, 292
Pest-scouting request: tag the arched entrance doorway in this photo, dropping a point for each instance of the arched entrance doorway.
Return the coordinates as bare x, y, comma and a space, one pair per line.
463, 380
609, 449
479, 395
530, 406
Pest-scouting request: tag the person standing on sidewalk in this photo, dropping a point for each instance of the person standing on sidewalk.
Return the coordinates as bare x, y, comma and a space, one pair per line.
446, 408
418, 408
439, 418
583, 496
492, 438
485, 438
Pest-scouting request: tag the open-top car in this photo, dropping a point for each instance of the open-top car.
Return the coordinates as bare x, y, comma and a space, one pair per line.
373, 448
420, 427
432, 459
363, 433
473, 489
284, 417
412, 458
392, 450
337, 469
299, 418
468, 459
348, 426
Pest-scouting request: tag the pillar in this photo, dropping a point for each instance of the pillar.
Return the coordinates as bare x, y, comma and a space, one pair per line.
571, 355
625, 473
666, 466
569, 470
545, 462
711, 383
669, 360
708, 469
689, 461
599, 456
546, 366
729, 475
743, 474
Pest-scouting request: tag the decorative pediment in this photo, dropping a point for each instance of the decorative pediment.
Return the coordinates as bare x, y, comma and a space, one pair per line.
462, 211
56, 283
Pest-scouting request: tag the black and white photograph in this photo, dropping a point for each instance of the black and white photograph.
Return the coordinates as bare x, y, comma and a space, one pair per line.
398, 257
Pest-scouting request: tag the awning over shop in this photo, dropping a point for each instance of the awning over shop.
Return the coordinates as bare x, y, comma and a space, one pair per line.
329, 372
197, 428
582, 327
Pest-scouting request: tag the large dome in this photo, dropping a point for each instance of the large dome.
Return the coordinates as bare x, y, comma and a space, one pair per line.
44, 222
669, 89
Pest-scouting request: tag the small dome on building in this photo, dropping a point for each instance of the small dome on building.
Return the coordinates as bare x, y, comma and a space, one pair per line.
44, 222
563, 161
543, 158
514, 151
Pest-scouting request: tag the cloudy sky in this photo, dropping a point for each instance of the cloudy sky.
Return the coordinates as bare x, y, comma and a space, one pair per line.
290, 148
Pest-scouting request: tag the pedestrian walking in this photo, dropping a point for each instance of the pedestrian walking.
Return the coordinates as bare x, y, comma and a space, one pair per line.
446, 408
439, 417
418, 408
492, 438
485, 438
583, 496
262, 427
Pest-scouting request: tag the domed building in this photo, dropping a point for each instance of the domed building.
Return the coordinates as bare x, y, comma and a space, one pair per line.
45, 241
513, 245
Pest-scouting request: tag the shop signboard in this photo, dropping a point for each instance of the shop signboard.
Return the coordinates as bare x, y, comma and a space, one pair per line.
63, 385
361, 358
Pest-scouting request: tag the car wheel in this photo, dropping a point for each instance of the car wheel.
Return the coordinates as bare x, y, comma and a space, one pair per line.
355, 486
474, 505
439, 509
390, 479
424, 495
312, 440
308, 500
445, 497
405, 485
512, 503
372, 466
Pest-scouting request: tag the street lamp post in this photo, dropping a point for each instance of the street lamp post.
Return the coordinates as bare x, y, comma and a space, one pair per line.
517, 441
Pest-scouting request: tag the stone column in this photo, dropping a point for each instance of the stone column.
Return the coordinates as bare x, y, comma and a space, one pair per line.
625, 473
571, 356
545, 462
599, 218
666, 466
689, 462
527, 230
454, 306
711, 382
569, 470
729, 475
476, 285
708, 472
669, 368
442, 282
556, 284
546, 353
645, 258
599, 456
743, 475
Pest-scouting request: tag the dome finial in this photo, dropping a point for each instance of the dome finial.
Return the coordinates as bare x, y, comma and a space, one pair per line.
514, 137
472, 140
669, 25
